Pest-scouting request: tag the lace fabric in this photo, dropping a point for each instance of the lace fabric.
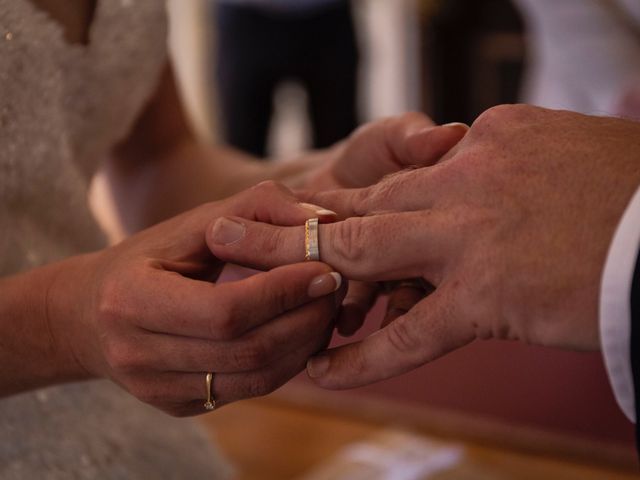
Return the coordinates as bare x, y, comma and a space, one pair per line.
62, 107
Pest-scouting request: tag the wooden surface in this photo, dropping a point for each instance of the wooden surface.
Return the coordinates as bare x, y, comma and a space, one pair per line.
281, 438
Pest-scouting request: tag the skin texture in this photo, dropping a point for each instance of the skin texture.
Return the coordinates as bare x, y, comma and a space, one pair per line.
151, 317
509, 231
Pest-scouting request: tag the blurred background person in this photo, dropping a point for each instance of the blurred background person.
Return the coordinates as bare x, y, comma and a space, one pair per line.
584, 55
262, 43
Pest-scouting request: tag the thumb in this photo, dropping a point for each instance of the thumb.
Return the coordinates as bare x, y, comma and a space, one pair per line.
426, 332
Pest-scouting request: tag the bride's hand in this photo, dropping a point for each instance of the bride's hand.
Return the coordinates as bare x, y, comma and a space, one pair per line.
383, 147
151, 318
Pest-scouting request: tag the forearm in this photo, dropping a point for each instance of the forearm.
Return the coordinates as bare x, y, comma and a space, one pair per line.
36, 313
148, 191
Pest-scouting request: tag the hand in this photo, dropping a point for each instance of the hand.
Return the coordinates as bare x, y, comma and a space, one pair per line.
381, 148
373, 151
512, 229
150, 317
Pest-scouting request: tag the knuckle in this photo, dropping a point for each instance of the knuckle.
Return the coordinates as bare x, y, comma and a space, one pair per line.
272, 241
111, 301
347, 240
501, 116
362, 202
259, 386
123, 357
400, 336
353, 365
225, 325
488, 119
387, 190
252, 355
267, 187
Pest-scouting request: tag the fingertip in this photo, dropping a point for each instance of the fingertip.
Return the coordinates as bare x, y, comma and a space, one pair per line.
428, 145
318, 366
459, 126
334, 369
324, 284
323, 214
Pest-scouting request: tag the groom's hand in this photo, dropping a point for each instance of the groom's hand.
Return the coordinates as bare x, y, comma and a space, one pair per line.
511, 228
377, 149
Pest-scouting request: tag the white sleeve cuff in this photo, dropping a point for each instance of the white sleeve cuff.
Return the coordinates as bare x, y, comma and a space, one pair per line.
615, 306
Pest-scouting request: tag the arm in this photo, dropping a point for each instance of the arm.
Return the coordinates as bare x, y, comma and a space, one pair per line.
161, 169
33, 350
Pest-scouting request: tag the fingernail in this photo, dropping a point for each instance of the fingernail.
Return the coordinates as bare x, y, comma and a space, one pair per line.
317, 366
456, 125
319, 211
324, 284
226, 232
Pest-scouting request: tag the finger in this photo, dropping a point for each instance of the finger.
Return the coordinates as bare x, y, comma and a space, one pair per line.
382, 247
360, 298
425, 147
267, 202
231, 387
402, 299
430, 330
184, 394
407, 190
255, 350
392, 144
273, 203
177, 305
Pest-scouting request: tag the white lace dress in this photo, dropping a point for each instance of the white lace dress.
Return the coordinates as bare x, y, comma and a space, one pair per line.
62, 107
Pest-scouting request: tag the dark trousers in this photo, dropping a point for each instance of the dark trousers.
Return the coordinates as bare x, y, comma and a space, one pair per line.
258, 49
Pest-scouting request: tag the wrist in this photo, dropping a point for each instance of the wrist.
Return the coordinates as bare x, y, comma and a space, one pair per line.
63, 320
68, 319
36, 312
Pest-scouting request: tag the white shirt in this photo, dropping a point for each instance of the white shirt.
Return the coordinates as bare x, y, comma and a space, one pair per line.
615, 306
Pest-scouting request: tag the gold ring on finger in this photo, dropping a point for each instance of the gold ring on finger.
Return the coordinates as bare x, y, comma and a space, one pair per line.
210, 404
311, 247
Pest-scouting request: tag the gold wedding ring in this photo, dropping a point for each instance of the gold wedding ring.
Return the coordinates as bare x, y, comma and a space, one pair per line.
210, 404
311, 248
